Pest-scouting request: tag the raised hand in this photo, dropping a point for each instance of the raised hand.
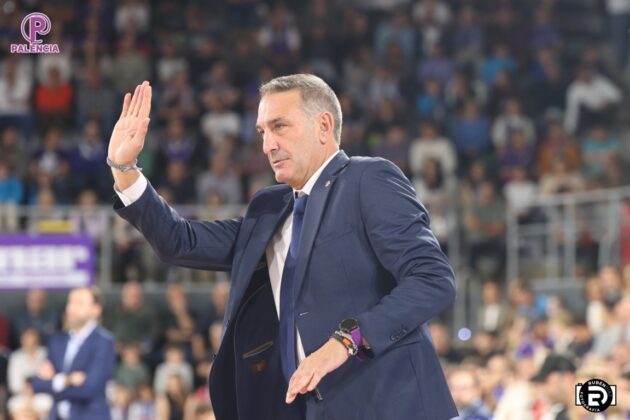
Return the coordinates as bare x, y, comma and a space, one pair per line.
131, 128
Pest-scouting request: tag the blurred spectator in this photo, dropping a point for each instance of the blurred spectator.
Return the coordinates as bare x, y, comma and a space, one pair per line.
221, 179
436, 66
557, 376
170, 63
485, 229
177, 101
37, 315
618, 24
86, 160
544, 33
557, 145
493, 315
280, 38
132, 14
178, 319
464, 385
180, 184
520, 191
89, 218
119, 409
130, 65
617, 331
170, 405
397, 30
24, 364
134, 320
510, 120
432, 17
431, 144
143, 408
443, 346
215, 312
436, 190
16, 85
11, 195
500, 60
470, 133
131, 373
591, 100
173, 365
395, 147
599, 149
467, 37
516, 153
560, 180
219, 122
53, 101
430, 104
95, 100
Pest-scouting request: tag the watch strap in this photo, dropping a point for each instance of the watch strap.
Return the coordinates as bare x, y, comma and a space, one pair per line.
121, 167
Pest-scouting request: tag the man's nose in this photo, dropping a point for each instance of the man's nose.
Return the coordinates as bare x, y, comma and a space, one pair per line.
269, 144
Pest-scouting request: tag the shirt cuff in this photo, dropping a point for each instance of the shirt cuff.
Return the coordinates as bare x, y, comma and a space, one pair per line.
133, 192
59, 382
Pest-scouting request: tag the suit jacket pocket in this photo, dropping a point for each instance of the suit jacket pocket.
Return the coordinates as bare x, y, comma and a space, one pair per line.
258, 350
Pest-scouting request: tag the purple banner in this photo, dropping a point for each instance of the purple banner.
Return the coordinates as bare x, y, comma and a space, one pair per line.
46, 261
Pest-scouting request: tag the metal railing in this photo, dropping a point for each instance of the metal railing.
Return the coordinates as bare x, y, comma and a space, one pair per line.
567, 235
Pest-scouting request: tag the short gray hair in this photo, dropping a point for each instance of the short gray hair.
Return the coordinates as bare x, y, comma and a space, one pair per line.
317, 96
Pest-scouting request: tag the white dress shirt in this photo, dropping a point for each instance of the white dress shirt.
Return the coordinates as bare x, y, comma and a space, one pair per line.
74, 344
277, 248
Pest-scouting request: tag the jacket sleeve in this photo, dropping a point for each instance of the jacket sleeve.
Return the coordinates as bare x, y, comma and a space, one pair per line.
96, 376
397, 227
194, 244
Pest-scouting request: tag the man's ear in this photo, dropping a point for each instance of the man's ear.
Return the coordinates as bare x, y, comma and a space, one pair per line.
326, 127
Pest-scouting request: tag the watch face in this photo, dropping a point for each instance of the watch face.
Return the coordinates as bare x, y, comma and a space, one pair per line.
349, 324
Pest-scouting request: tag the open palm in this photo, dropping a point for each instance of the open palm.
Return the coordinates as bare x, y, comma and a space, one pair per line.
131, 128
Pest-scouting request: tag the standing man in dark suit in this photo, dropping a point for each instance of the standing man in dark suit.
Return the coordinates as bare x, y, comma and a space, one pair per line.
80, 361
335, 272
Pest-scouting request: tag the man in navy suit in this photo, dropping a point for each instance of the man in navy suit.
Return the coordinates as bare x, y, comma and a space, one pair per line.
80, 362
335, 272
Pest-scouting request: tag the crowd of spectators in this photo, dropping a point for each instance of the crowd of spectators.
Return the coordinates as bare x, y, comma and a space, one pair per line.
484, 104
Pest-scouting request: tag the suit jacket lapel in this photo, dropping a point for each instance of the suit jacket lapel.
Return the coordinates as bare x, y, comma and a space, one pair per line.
266, 225
313, 215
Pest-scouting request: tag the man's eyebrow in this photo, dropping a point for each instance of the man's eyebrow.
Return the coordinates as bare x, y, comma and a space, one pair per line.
271, 122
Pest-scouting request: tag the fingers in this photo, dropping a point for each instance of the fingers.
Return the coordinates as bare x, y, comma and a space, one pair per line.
126, 103
145, 106
137, 100
298, 385
134, 100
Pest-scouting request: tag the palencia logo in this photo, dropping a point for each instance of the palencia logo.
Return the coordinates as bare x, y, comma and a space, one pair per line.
595, 395
35, 25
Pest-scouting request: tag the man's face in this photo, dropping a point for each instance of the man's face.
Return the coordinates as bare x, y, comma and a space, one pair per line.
463, 388
81, 308
290, 138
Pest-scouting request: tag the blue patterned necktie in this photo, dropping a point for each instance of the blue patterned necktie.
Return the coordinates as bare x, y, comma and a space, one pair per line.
287, 305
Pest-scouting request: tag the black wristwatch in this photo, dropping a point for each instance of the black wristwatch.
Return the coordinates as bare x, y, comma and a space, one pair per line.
351, 326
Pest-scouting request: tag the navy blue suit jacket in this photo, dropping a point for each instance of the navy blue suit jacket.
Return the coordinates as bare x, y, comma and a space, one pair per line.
366, 251
96, 358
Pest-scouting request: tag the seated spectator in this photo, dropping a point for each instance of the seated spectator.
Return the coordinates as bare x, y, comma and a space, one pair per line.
395, 147
179, 182
500, 60
485, 230
89, 218
143, 408
431, 144
16, 86
430, 104
443, 345
130, 64
557, 377
599, 149
557, 145
464, 385
134, 320
86, 160
95, 99
544, 33
170, 404
616, 332
119, 406
436, 191
493, 314
37, 315
516, 153
54, 100
398, 30
220, 178
177, 101
471, 133
591, 100
510, 120
467, 37
178, 321
219, 122
11, 195
436, 66
520, 192
131, 372
200, 397
174, 364
560, 180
